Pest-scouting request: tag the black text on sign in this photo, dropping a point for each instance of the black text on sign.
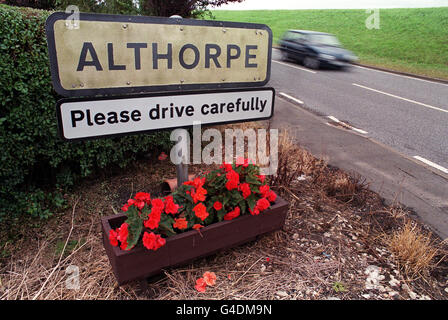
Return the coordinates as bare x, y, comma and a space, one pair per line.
106, 117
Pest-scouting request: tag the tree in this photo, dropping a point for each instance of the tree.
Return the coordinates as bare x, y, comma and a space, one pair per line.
163, 8
183, 8
37, 4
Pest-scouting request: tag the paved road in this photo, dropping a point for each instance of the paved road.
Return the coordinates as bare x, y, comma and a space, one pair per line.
408, 114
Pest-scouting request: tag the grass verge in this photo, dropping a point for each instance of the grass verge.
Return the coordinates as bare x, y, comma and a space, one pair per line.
409, 40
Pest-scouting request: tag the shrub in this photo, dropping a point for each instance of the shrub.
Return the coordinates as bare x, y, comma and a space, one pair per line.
35, 162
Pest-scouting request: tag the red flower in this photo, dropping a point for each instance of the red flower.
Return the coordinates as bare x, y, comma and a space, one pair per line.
233, 179
262, 204
217, 205
264, 190
255, 212
143, 196
232, 214
200, 211
113, 237
198, 195
245, 188
209, 278
272, 196
124, 245
160, 242
152, 241
226, 166
128, 204
180, 223
158, 203
123, 235
198, 226
123, 232
163, 156
154, 216
170, 206
261, 178
151, 223
200, 285
197, 182
139, 204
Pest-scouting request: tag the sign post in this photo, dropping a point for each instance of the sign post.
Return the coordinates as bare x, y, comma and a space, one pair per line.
182, 167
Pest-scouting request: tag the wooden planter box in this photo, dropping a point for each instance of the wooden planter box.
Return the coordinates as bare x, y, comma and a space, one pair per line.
140, 263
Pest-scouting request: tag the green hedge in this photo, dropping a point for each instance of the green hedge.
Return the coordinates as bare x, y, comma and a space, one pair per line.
35, 162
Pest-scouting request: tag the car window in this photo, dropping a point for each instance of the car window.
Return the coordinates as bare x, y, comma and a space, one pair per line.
293, 36
324, 39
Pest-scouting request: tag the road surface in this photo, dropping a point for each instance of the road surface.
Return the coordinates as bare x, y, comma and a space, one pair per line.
400, 137
408, 114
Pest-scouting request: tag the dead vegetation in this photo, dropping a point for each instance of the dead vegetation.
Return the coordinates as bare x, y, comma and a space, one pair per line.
413, 249
339, 240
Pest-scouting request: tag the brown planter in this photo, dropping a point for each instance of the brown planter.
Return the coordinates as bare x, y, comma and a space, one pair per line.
140, 263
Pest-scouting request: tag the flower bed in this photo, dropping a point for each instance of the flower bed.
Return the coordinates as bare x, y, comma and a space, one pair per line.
220, 209
139, 263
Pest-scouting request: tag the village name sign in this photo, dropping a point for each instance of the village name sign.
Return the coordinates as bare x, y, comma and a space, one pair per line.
136, 74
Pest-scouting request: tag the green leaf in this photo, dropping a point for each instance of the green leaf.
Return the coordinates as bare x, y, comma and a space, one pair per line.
135, 227
253, 180
251, 201
221, 214
166, 225
242, 205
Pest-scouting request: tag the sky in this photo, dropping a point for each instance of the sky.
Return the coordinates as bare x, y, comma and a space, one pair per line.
331, 4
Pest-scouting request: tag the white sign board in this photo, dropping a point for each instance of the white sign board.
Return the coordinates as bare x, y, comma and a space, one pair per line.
106, 117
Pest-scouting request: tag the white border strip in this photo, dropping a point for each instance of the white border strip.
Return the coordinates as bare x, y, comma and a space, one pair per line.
408, 100
290, 97
432, 164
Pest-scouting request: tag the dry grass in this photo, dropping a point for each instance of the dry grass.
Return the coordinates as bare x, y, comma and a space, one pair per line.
413, 249
328, 240
344, 187
293, 162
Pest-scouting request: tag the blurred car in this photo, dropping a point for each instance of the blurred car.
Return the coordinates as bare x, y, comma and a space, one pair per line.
315, 49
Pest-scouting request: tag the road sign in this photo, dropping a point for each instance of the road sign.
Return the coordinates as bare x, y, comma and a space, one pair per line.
115, 54
82, 118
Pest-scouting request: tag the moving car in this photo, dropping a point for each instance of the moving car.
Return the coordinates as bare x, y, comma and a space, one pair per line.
315, 49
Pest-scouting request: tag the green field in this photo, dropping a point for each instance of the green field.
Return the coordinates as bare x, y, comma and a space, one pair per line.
409, 40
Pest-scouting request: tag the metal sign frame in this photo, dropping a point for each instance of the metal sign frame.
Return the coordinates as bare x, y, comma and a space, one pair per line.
147, 20
160, 94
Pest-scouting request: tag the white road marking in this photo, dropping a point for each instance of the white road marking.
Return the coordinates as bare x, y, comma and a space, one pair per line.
347, 125
432, 164
334, 119
398, 97
359, 130
295, 67
292, 98
400, 75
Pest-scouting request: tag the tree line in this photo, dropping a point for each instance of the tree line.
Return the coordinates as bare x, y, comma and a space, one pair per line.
162, 8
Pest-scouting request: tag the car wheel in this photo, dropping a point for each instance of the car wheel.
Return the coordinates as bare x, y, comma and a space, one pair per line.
311, 63
284, 56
